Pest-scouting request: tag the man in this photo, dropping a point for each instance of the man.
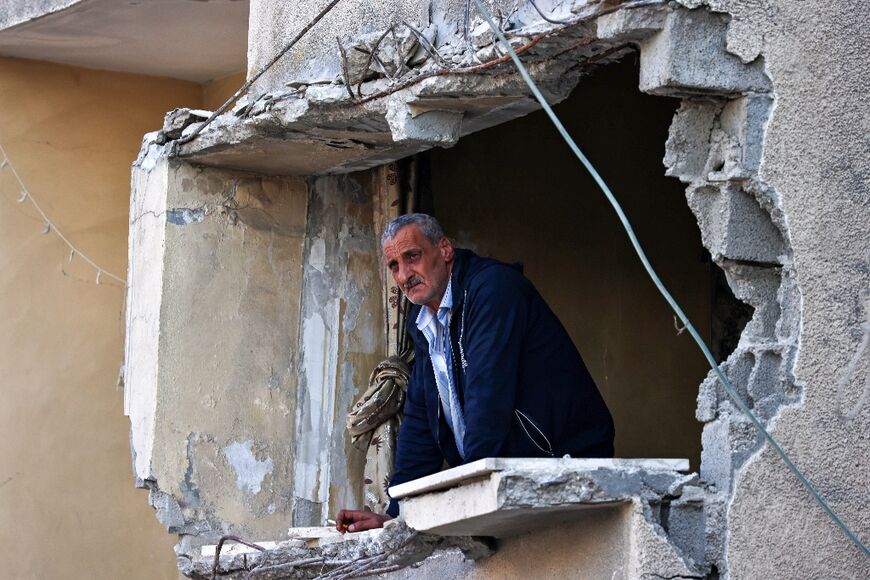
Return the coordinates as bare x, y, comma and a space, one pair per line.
495, 373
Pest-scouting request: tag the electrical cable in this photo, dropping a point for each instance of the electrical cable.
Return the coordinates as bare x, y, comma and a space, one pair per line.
49, 226
660, 285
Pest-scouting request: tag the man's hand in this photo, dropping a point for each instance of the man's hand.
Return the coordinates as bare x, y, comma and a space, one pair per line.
359, 520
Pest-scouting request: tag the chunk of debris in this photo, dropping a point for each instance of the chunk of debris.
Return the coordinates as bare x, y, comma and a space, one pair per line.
177, 121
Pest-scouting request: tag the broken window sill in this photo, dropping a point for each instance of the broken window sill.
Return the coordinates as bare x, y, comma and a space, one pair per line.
504, 497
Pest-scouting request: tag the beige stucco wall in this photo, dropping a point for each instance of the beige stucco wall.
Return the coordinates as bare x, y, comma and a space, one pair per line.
215, 93
68, 508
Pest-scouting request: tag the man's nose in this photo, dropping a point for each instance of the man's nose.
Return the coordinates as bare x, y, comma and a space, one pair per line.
403, 274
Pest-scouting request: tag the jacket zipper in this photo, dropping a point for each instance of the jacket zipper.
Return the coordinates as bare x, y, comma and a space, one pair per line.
520, 416
438, 425
463, 362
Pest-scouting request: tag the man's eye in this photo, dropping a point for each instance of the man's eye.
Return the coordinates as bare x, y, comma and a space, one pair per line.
413, 257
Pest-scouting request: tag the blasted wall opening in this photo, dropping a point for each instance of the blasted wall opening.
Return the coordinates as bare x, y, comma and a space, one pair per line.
516, 193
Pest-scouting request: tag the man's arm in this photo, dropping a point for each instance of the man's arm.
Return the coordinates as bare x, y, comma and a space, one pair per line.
496, 312
359, 520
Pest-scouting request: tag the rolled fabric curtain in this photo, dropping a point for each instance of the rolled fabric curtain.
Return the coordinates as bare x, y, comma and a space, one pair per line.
381, 401
373, 425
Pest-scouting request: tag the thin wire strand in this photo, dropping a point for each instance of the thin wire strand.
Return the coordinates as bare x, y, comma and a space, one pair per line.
660, 285
545, 17
50, 226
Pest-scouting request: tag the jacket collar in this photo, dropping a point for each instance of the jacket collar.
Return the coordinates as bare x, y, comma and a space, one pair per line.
462, 266
466, 264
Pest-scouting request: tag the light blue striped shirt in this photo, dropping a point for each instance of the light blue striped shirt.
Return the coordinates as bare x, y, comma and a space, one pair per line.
435, 327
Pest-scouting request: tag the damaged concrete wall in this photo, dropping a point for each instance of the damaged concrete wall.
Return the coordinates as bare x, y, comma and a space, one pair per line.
273, 24
215, 292
341, 340
815, 159
254, 320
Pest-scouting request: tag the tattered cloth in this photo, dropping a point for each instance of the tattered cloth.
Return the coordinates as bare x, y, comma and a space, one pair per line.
374, 424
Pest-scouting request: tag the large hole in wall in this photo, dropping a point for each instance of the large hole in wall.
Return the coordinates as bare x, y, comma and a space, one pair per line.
517, 193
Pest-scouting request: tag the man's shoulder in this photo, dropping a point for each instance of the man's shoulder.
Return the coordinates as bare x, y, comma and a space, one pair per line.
480, 272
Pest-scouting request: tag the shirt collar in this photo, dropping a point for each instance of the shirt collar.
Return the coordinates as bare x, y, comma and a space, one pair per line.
425, 316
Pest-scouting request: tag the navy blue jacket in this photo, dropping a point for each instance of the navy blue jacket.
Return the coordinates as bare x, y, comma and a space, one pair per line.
523, 387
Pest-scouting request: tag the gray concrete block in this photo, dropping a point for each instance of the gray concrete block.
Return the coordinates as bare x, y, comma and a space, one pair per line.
743, 121
734, 225
684, 522
689, 57
432, 128
759, 287
687, 149
631, 25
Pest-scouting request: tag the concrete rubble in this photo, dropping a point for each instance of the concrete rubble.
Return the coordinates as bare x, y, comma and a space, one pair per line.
397, 544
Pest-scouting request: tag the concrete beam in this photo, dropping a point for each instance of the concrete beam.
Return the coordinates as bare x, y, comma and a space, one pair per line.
194, 41
314, 125
734, 225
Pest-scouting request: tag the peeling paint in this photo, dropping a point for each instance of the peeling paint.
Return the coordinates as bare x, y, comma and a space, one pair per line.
188, 486
319, 354
183, 216
317, 255
250, 471
341, 282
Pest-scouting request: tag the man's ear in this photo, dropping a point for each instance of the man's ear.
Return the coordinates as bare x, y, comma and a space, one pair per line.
446, 249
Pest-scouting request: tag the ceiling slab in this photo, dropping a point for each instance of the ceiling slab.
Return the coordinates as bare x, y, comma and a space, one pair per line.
194, 40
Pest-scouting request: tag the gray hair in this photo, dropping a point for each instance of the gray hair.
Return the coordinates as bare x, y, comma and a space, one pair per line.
429, 227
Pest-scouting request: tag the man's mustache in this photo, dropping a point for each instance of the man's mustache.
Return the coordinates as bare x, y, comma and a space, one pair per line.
411, 282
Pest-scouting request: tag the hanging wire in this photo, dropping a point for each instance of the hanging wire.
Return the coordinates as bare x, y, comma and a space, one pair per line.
545, 17
660, 285
49, 226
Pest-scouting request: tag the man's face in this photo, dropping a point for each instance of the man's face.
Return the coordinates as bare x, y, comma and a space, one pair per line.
420, 268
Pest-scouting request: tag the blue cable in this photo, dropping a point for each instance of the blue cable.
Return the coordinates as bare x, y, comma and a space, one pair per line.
659, 284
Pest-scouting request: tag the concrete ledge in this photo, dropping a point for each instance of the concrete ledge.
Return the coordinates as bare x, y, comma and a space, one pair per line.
465, 473
508, 497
